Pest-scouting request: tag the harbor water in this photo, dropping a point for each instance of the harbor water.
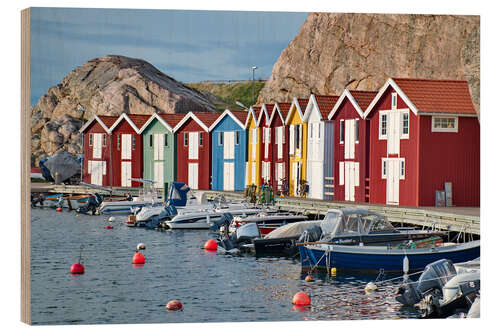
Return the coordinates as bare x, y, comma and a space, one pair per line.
212, 287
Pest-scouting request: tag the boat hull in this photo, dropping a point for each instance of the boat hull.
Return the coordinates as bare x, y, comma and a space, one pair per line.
375, 258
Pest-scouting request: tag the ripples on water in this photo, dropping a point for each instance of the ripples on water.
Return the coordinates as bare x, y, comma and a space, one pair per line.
212, 287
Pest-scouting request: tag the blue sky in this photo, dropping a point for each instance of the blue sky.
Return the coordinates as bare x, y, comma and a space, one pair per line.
187, 45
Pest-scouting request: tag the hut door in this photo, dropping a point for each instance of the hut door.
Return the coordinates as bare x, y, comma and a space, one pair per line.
158, 146
126, 147
193, 176
351, 180
228, 145
126, 174
393, 132
96, 169
279, 140
97, 148
228, 176
193, 145
158, 176
393, 181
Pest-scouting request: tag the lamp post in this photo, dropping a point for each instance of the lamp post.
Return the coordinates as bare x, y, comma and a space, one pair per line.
253, 79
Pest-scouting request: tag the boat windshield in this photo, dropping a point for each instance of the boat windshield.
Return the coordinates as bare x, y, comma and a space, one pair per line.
361, 223
380, 225
330, 222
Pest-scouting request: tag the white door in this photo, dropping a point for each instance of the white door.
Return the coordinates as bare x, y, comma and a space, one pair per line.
158, 174
297, 174
228, 145
315, 186
393, 132
267, 141
349, 138
351, 180
158, 145
228, 176
254, 170
393, 172
97, 145
254, 142
193, 175
279, 141
126, 174
193, 145
126, 146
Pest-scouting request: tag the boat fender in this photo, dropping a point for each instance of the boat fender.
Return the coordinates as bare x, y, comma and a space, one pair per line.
141, 246
301, 298
174, 305
111, 219
370, 287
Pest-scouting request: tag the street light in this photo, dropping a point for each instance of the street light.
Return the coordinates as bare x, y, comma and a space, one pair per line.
241, 104
253, 78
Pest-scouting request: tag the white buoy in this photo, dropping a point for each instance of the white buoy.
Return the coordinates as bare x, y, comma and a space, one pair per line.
141, 246
111, 219
370, 287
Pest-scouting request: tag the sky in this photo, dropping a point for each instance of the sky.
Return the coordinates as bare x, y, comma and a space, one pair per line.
189, 46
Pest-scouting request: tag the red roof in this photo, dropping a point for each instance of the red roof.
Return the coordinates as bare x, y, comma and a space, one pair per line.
172, 118
439, 96
363, 98
108, 120
207, 118
240, 115
139, 119
284, 107
325, 104
303, 103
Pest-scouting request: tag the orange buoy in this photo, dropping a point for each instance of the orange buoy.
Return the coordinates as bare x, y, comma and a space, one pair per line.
309, 278
77, 268
59, 209
138, 258
301, 298
174, 305
109, 227
210, 245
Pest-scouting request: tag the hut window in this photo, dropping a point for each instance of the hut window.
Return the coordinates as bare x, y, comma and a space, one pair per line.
356, 126
91, 139
118, 140
284, 136
151, 140
382, 134
402, 169
165, 139
298, 136
342, 130
394, 100
220, 138
104, 140
444, 124
405, 128
237, 137
310, 130
185, 139
384, 168
201, 138
133, 141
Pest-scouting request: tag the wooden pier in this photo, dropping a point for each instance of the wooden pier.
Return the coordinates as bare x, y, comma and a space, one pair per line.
457, 219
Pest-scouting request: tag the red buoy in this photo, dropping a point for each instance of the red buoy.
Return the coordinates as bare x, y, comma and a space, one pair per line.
210, 245
109, 227
301, 298
174, 305
138, 258
77, 268
59, 209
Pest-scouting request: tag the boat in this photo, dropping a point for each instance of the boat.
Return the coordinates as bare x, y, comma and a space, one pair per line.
282, 240
357, 239
147, 196
267, 222
444, 289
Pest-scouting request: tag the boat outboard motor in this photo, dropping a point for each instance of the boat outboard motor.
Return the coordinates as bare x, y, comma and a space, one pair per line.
93, 203
37, 200
434, 277
223, 222
312, 234
60, 202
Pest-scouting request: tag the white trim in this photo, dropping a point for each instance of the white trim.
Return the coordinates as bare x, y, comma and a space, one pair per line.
346, 93
251, 112
445, 130
390, 82
188, 116
437, 114
224, 114
160, 119
276, 109
91, 120
124, 116
380, 114
312, 104
299, 110
263, 109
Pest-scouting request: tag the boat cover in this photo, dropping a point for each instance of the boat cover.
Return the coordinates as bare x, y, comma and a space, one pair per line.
62, 166
178, 194
292, 229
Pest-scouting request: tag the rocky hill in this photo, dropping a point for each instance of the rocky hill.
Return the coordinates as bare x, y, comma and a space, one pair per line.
360, 51
109, 85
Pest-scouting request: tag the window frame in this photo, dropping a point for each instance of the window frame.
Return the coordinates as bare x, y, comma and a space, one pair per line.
133, 142
91, 139
165, 140
104, 140
384, 168
118, 141
444, 130
382, 114
356, 130
342, 131
150, 140
402, 168
394, 100
220, 138
186, 139
403, 114
201, 139
237, 138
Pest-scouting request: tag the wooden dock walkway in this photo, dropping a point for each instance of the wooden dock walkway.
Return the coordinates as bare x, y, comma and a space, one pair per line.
458, 219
